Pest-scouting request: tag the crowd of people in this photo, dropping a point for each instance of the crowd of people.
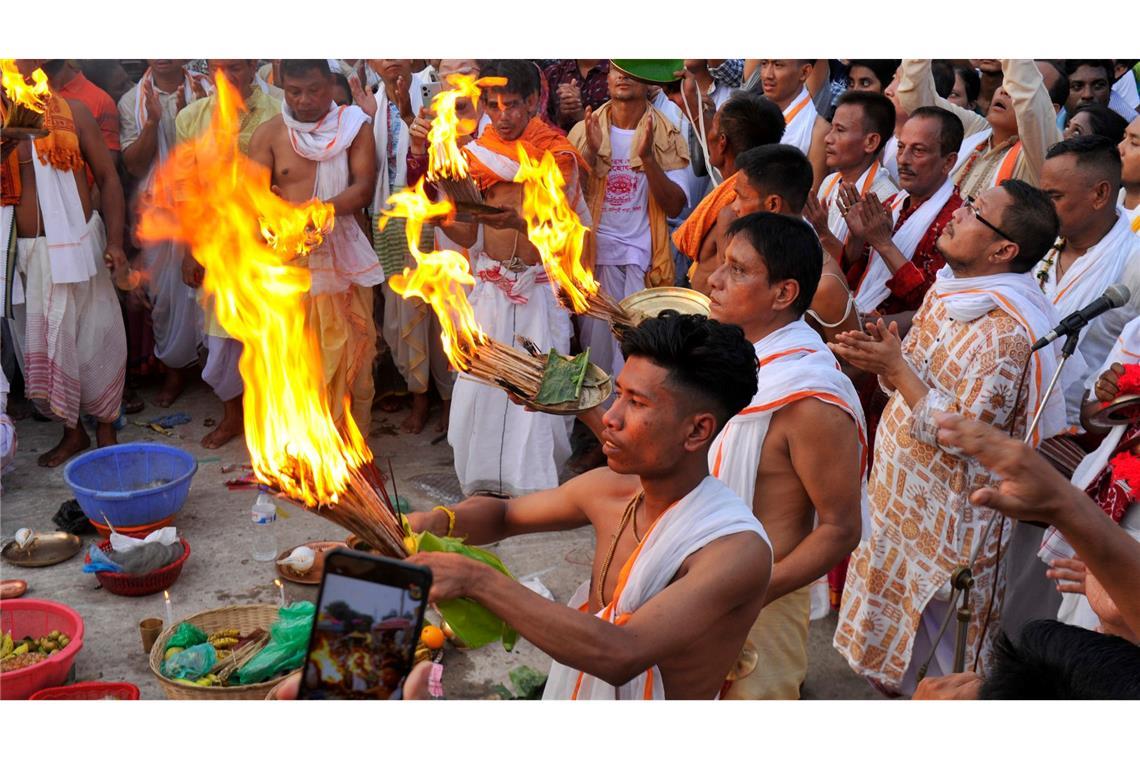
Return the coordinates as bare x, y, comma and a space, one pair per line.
882, 243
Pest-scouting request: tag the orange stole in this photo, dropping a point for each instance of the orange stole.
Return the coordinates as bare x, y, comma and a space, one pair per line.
689, 236
59, 149
536, 139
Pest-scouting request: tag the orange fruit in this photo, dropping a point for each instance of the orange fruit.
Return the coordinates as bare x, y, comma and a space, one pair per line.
431, 637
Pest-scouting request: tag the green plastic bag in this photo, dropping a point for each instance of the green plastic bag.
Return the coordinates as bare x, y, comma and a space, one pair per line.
186, 636
473, 623
288, 642
191, 663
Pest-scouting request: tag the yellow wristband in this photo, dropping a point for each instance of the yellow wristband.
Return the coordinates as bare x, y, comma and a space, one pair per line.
450, 519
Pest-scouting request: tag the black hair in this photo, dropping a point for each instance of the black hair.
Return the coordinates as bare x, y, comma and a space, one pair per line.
1109, 70
1105, 121
1031, 219
748, 120
878, 112
703, 357
1095, 152
883, 68
299, 67
782, 170
1059, 92
521, 75
1052, 660
943, 73
950, 132
341, 81
971, 82
790, 249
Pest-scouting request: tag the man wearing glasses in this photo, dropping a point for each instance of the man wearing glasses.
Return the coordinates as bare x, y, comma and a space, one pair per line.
967, 353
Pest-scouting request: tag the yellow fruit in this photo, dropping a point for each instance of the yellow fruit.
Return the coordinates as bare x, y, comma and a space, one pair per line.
432, 637
171, 652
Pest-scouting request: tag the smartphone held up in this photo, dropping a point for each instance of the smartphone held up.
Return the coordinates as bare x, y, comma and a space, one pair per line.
369, 614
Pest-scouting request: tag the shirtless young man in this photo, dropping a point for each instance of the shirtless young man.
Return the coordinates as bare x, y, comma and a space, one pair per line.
673, 628
66, 324
315, 148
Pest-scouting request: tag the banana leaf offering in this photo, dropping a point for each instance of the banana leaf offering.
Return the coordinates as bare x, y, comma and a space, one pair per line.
473, 623
562, 379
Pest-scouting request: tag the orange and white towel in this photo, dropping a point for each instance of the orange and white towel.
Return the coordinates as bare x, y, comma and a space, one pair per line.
708, 512
794, 364
799, 121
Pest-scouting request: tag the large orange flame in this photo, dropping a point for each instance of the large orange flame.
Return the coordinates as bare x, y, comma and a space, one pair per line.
445, 159
553, 227
438, 277
249, 240
34, 96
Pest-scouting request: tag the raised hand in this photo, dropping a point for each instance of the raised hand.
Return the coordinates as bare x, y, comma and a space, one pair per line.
645, 145
1107, 386
593, 132
362, 97
815, 212
153, 104
418, 132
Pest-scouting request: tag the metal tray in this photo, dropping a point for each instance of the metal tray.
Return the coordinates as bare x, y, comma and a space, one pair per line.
652, 301
46, 549
312, 576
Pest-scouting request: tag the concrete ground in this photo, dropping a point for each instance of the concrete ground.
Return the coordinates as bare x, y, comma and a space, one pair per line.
220, 571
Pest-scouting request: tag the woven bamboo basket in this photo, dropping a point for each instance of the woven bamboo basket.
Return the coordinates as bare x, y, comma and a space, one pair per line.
246, 618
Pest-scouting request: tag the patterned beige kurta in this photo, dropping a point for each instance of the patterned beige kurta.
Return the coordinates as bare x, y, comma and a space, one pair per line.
922, 524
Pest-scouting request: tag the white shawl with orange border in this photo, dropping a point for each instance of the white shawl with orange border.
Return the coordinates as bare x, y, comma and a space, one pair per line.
710, 511
799, 121
795, 364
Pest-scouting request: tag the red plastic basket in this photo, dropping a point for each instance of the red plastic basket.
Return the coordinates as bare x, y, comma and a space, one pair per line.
142, 585
39, 617
90, 690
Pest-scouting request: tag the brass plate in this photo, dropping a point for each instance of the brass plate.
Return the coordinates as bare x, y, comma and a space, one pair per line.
312, 576
596, 388
652, 301
1124, 410
46, 549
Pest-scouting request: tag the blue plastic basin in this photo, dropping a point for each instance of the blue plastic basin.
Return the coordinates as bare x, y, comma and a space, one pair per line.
131, 483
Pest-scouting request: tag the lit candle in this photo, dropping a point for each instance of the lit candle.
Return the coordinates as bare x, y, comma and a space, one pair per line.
168, 610
280, 592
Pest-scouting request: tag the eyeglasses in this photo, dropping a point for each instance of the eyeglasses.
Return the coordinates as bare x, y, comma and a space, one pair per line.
974, 210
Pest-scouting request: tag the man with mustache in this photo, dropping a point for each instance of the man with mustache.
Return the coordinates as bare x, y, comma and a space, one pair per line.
1010, 141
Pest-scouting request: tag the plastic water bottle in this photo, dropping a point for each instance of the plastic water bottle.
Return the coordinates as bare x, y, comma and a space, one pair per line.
264, 516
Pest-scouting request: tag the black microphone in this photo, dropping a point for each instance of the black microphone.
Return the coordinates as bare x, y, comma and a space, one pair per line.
1114, 297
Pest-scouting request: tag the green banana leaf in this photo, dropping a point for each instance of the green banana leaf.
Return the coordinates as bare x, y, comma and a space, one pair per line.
562, 379
473, 623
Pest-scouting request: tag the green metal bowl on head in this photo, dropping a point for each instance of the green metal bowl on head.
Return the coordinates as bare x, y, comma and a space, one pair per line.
650, 70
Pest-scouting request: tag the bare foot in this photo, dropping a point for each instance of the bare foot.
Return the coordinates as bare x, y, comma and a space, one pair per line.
132, 401
74, 441
391, 404
229, 428
414, 423
105, 434
171, 388
444, 417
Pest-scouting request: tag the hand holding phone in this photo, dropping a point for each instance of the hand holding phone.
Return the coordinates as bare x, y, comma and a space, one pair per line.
369, 614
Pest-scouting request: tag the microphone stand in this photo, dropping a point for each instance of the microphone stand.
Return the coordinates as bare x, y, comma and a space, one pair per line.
962, 577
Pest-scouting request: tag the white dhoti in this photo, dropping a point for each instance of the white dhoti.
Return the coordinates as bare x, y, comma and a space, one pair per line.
221, 370
69, 338
498, 445
617, 281
176, 316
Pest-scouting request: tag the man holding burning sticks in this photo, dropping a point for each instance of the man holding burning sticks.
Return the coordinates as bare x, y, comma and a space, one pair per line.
499, 447
66, 324
669, 602
317, 148
221, 370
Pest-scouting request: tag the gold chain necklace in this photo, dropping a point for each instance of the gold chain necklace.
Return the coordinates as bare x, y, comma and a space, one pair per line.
630, 511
